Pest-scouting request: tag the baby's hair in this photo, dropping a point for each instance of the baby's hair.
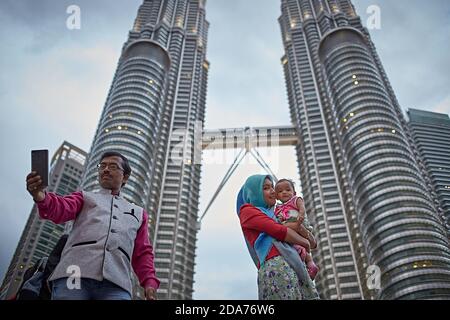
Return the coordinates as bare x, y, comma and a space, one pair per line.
287, 180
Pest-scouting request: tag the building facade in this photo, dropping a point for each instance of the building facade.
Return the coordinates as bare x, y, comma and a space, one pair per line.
431, 132
40, 236
362, 184
156, 99
360, 164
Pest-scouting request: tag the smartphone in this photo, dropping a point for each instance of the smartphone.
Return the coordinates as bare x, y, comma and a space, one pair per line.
39, 163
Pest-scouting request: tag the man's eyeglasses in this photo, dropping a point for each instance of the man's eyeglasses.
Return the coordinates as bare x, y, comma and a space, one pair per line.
110, 166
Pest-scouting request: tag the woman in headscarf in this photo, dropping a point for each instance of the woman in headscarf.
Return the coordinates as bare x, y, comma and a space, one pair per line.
282, 275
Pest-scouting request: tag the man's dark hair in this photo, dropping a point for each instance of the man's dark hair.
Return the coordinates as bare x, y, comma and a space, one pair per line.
126, 165
287, 180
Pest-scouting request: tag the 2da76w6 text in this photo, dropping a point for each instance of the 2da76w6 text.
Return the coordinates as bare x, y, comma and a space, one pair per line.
245, 309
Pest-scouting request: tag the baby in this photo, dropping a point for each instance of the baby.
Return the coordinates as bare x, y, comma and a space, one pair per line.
292, 209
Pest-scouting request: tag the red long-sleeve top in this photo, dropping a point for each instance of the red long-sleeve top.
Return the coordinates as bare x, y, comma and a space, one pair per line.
62, 209
254, 222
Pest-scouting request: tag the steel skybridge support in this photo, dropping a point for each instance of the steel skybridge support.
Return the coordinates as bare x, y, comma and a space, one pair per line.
247, 139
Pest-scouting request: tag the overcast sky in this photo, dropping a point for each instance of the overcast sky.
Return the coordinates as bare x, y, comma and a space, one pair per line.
54, 82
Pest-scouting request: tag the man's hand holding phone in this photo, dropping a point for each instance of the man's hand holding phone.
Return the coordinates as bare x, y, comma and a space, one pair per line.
37, 180
35, 186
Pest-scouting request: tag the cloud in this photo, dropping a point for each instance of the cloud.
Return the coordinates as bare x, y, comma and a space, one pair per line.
413, 45
50, 93
246, 84
54, 83
45, 20
61, 94
224, 269
443, 106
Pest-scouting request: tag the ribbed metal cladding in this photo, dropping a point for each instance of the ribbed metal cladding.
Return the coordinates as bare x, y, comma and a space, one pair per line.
132, 122
176, 225
152, 110
340, 254
431, 132
132, 116
401, 231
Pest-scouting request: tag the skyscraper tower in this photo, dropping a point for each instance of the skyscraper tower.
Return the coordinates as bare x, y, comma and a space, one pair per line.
361, 181
156, 98
40, 236
431, 132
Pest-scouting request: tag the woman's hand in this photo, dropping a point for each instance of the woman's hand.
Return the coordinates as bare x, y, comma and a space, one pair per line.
296, 226
299, 228
312, 240
294, 238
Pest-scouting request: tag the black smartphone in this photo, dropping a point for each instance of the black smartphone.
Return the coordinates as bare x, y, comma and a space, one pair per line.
39, 163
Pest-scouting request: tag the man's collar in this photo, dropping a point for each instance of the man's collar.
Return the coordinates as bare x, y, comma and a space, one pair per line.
107, 191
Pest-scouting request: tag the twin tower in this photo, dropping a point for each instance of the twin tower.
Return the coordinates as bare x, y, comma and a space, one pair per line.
363, 186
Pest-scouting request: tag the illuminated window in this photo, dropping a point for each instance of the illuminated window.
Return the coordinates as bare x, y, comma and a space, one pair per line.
137, 26
106, 130
356, 83
351, 114
393, 131
119, 127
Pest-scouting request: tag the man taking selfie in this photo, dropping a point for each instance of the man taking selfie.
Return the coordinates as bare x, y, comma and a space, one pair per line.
109, 237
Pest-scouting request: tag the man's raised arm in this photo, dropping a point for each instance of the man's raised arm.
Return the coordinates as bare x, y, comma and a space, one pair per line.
51, 206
